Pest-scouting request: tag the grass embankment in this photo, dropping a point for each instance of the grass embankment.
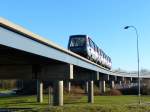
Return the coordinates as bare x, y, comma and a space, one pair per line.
79, 104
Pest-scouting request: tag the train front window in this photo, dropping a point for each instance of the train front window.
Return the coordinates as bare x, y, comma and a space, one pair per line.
77, 42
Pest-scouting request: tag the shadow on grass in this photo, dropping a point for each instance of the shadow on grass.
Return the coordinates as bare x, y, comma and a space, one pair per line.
24, 103
14, 96
76, 102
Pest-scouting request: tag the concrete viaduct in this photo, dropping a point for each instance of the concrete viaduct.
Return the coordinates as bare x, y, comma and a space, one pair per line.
25, 55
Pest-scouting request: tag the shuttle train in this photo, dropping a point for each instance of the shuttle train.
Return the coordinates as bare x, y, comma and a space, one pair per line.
84, 46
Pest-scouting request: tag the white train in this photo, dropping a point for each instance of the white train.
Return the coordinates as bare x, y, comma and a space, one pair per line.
84, 46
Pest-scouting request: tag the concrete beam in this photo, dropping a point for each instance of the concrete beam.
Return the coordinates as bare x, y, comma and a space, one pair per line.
16, 72
105, 77
58, 93
111, 77
135, 80
84, 74
90, 92
39, 91
119, 78
54, 71
57, 72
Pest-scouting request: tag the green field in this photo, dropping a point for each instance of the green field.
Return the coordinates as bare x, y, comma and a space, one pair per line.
79, 104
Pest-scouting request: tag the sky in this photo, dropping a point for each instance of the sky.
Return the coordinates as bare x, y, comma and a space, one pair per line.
102, 20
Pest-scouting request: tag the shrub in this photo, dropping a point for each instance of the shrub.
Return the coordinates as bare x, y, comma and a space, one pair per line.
8, 84
96, 90
113, 92
146, 90
76, 90
129, 91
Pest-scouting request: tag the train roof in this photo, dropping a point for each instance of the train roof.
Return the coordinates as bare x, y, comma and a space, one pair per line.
78, 35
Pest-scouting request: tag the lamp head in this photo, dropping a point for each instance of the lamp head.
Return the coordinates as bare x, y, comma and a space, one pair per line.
126, 27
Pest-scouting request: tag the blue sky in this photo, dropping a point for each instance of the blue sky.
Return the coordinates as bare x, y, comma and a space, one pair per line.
102, 20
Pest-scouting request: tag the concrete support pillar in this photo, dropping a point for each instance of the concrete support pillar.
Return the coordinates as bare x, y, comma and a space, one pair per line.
129, 82
90, 92
69, 86
102, 86
112, 84
86, 87
39, 91
131, 79
120, 83
125, 82
58, 93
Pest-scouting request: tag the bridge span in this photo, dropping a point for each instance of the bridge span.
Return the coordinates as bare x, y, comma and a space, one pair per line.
25, 55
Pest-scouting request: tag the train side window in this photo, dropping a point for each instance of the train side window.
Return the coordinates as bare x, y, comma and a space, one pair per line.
87, 41
91, 43
100, 52
94, 46
104, 56
97, 49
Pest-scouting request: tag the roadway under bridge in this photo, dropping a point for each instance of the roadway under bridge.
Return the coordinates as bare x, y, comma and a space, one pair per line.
25, 55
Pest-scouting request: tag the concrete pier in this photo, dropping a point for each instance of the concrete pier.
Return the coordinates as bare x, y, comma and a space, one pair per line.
125, 80
102, 86
86, 86
129, 82
120, 83
39, 91
112, 85
90, 92
58, 93
68, 85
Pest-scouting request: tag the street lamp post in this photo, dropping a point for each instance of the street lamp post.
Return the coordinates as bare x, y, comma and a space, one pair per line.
139, 91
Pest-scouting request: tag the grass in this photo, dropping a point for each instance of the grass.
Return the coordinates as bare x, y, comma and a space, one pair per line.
73, 103
103, 100
3, 89
21, 102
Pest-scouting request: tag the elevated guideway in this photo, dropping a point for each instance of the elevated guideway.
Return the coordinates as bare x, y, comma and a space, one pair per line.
25, 55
